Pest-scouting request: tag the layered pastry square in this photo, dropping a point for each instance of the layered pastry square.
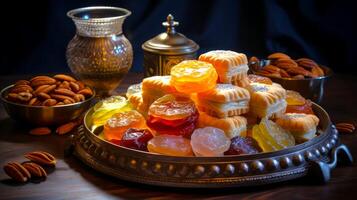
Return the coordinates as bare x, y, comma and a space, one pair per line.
301, 126
232, 67
232, 126
267, 100
225, 100
155, 87
137, 102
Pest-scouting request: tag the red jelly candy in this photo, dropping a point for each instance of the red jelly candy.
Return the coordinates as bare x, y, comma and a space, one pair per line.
173, 115
243, 145
135, 139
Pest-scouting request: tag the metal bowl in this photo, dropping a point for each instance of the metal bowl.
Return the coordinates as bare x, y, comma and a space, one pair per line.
214, 172
44, 115
310, 88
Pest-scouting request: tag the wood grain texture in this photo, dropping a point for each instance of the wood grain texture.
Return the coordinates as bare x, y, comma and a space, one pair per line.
74, 180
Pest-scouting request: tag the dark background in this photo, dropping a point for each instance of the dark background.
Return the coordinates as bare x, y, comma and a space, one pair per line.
35, 34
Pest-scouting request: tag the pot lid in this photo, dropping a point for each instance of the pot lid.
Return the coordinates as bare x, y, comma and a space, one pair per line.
170, 42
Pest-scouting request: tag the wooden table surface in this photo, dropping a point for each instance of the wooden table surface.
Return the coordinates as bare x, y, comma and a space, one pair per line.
73, 180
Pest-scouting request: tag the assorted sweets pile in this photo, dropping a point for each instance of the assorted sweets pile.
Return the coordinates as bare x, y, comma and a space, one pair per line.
58, 90
207, 107
282, 66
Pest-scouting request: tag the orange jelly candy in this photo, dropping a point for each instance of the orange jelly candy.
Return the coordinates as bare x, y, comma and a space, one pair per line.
193, 76
170, 145
294, 98
120, 122
173, 115
305, 108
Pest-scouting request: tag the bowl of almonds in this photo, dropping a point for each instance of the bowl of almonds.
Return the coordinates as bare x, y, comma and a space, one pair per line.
303, 75
47, 100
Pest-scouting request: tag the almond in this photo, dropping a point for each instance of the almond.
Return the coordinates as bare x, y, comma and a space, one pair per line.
17, 172
41, 157
49, 102
278, 55
65, 92
35, 169
42, 80
66, 128
64, 77
40, 131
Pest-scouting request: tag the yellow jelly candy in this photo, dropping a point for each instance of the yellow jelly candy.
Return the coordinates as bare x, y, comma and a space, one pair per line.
277, 136
262, 141
294, 98
105, 109
193, 76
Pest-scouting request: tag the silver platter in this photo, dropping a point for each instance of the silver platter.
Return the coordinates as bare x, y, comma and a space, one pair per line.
316, 157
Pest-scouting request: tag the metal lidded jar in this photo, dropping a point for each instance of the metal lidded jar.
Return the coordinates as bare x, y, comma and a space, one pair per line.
167, 49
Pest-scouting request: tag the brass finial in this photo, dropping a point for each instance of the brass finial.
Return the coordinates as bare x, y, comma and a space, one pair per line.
170, 24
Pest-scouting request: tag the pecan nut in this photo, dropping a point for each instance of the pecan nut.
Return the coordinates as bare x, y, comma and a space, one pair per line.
79, 97
317, 71
278, 55
87, 92
17, 172
43, 96
22, 82
65, 92
21, 88
66, 128
60, 97
74, 86
64, 77
285, 63
34, 169
41, 157
24, 96
306, 63
42, 80
49, 102
44, 89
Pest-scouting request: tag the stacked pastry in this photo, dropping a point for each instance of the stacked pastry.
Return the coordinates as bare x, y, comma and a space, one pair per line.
232, 67
267, 100
222, 106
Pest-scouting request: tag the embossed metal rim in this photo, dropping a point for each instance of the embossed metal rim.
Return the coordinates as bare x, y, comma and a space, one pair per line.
71, 13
